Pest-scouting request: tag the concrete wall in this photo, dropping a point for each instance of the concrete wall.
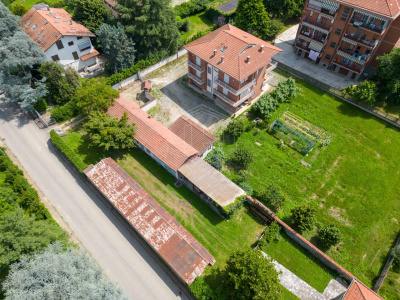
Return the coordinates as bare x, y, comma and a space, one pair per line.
149, 104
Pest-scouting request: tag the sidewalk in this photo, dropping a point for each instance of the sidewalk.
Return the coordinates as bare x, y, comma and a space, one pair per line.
285, 41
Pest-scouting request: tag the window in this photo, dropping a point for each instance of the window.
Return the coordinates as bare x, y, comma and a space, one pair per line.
338, 31
59, 44
55, 58
333, 45
223, 49
328, 57
78, 37
209, 70
40, 32
27, 24
209, 82
198, 61
41, 38
75, 55
345, 14
225, 91
198, 74
70, 43
216, 70
226, 78
33, 27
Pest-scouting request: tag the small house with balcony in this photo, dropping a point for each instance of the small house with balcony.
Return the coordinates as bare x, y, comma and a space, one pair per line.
61, 39
231, 66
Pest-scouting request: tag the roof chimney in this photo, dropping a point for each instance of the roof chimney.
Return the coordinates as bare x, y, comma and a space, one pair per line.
222, 59
262, 48
248, 59
215, 52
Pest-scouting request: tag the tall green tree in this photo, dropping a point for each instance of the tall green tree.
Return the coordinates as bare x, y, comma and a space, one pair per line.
251, 16
110, 133
91, 13
152, 25
251, 275
366, 92
95, 95
387, 76
19, 55
60, 83
117, 47
19, 9
54, 274
284, 9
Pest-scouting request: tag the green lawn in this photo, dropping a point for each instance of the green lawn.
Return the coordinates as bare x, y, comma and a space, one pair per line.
30, 3
353, 182
301, 262
198, 23
287, 295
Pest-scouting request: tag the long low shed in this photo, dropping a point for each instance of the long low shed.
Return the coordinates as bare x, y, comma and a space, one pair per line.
172, 242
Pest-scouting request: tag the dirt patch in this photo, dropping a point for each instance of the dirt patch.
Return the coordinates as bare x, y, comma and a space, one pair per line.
338, 213
373, 260
316, 153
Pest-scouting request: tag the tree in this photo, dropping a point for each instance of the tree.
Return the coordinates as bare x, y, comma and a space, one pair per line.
235, 128
117, 47
304, 217
91, 13
286, 90
265, 106
271, 196
271, 234
21, 234
242, 156
54, 274
251, 275
110, 133
60, 83
19, 9
152, 25
19, 55
284, 9
8, 200
252, 16
366, 92
330, 236
275, 26
201, 290
387, 76
95, 94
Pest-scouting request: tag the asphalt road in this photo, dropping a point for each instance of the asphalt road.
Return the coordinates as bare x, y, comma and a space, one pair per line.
110, 241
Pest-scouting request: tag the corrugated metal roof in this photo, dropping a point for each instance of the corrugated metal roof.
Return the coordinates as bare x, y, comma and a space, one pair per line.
185, 255
211, 182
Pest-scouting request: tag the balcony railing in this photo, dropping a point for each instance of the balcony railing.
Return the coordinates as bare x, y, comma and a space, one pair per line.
195, 78
314, 37
224, 98
369, 26
357, 57
326, 27
321, 10
367, 43
231, 89
302, 47
271, 66
347, 66
196, 67
268, 78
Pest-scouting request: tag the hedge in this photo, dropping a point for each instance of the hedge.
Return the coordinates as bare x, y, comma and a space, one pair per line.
67, 151
212, 13
191, 7
65, 112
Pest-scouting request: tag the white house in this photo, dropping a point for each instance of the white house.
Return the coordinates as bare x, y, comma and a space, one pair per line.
62, 39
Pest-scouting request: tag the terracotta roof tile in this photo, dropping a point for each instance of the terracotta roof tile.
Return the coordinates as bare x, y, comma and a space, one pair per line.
193, 134
158, 139
385, 7
358, 291
90, 55
51, 25
237, 45
185, 255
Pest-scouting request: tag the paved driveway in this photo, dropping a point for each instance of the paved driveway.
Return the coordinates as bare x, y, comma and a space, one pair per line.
111, 242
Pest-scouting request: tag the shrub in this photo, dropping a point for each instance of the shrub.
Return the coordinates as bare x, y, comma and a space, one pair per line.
191, 7
19, 9
5, 163
232, 209
396, 254
216, 161
304, 217
272, 196
265, 106
235, 128
242, 156
65, 112
330, 236
364, 92
242, 176
213, 13
186, 25
41, 105
286, 90
275, 26
246, 187
201, 290
67, 151
271, 234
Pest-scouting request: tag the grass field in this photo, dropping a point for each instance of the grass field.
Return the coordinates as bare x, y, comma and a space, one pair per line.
198, 23
30, 3
353, 181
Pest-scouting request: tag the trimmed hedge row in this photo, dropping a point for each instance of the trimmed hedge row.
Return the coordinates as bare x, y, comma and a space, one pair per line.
191, 7
65, 112
67, 151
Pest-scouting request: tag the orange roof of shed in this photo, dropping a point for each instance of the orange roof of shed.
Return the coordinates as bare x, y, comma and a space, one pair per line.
358, 291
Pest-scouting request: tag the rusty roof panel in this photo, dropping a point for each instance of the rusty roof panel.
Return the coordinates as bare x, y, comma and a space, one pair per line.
185, 255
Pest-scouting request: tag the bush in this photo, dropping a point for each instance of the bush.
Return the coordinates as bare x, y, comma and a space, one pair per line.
364, 92
232, 209
304, 217
215, 158
271, 234
275, 26
19, 9
242, 176
190, 8
396, 254
201, 290
272, 196
65, 112
235, 128
286, 90
41, 105
330, 236
213, 13
242, 156
246, 187
265, 106
67, 151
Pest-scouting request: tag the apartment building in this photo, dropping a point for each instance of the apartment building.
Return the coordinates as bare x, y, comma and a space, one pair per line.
347, 36
61, 39
231, 66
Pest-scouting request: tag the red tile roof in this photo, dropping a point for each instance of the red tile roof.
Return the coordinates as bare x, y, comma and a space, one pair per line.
185, 255
358, 291
385, 7
90, 55
112, 3
51, 25
158, 139
193, 134
146, 85
237, 45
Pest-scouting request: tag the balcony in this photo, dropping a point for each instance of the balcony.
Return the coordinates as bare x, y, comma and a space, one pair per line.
322, 38
301, 46
198, 80
270, 67
268, 78
367, 43
307, 20
367, 25
231, 89
196, 67
355, 57
224, 98
321, 10
355, 69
